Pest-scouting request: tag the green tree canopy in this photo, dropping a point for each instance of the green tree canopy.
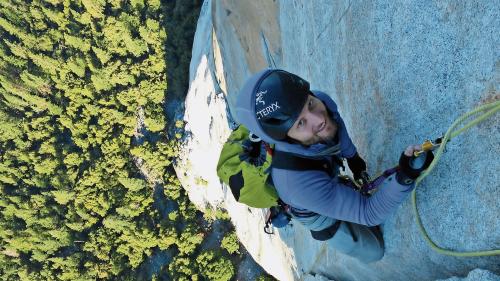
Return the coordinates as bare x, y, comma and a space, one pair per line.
73, 74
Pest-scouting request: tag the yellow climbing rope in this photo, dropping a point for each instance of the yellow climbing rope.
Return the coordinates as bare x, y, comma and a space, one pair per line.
488, 109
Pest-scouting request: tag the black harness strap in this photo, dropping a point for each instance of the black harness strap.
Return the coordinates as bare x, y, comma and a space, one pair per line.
327, 233
288, 161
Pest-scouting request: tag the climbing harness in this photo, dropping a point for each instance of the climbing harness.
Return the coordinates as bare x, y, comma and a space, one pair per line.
370, 186
488, 110
277, 216
367, 187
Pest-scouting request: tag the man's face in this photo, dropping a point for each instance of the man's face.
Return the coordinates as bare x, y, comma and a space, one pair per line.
314, 124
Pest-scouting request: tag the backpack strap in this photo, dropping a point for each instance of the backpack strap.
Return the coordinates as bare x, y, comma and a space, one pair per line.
288, 161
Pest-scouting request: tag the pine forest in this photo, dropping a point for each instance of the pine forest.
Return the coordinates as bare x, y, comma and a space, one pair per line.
86, 160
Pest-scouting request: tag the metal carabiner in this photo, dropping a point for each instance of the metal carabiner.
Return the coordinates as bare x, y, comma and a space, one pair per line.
429, 145
253, 137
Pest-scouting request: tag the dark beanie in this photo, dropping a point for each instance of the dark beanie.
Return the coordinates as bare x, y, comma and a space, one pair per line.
279, 100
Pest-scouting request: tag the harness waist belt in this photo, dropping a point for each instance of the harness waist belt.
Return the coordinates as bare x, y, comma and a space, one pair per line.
326, 233
302, 213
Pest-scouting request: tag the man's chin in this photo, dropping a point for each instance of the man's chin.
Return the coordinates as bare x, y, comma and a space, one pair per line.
327, 139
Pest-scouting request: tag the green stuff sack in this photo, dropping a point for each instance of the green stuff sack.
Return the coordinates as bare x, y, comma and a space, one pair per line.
244, 165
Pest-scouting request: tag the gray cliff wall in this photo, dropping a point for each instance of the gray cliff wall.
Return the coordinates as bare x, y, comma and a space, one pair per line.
401, 72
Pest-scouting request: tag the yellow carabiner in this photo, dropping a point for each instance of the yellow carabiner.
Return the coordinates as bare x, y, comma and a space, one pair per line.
428, 145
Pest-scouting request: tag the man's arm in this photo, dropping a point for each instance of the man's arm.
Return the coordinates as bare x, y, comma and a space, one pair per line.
323, 195
317, 192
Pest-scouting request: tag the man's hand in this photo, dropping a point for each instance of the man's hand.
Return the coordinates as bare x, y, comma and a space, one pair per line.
412, 149
410, 167
358, 167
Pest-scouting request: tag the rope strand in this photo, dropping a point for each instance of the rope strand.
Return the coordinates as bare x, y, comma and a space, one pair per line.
490, 109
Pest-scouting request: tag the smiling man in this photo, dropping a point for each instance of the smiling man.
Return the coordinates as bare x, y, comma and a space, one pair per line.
306, 128
314, 124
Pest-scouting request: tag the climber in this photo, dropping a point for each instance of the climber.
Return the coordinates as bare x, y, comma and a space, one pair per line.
279, 107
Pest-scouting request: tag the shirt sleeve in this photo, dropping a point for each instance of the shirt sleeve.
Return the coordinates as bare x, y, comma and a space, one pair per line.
318, 192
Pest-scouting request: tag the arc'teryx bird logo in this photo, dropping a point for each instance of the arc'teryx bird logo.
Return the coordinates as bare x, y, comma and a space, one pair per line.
259, 97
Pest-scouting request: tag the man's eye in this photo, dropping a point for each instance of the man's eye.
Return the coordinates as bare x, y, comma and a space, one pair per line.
301, 123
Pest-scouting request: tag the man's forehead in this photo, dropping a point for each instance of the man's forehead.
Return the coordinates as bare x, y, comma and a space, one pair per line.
306, 104
304, 109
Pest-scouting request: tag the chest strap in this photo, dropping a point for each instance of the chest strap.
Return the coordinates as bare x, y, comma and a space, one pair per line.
288, 161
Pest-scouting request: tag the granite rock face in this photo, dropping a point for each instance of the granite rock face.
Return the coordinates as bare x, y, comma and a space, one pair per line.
476, 275
400, 72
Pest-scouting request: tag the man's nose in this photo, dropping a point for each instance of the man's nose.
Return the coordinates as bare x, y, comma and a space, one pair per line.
314, 119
